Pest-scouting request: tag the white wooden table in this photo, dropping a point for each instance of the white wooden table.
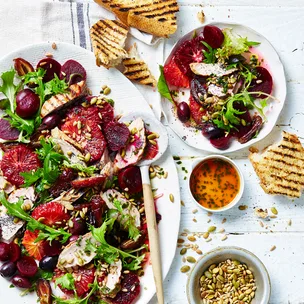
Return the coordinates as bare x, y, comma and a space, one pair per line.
282, 22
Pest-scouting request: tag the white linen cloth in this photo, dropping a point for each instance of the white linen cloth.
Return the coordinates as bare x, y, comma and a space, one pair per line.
32, 21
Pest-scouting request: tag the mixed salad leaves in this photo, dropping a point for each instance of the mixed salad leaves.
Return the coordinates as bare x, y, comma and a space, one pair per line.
71, 193
229, 85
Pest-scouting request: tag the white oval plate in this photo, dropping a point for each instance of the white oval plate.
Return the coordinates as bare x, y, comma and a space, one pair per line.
127, 99
193, 137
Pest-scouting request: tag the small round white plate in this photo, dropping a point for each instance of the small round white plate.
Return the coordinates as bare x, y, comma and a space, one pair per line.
127, 100
192, 136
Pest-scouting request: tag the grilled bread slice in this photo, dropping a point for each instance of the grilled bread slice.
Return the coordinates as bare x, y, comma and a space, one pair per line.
108, 40
281, 167
156, 17
136, 69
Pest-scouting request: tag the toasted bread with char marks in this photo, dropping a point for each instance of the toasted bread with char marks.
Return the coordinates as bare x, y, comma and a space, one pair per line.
136, 69
108, 40
281, 167
156, 17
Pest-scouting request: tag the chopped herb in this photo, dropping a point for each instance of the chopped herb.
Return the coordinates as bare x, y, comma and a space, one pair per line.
209, 56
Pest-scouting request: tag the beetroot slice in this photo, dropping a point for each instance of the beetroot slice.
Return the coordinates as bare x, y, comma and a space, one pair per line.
130, 283
7, 132
213, 36
130, 178
27, 266
263, 83
73, 72
117, 135
51, 66
221, 143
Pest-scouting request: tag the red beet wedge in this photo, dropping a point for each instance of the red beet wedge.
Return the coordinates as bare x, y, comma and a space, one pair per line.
51, 66
73, 72
117, 135
262, 83
130, 179
27, 266
7, 132
213, 36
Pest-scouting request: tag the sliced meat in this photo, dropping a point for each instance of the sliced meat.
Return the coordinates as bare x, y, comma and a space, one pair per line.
112, 279
128, 208
9, 228
6, 186
67, 198
57, 133
60, 100
208, 69
74, 254
70, 151
135, 148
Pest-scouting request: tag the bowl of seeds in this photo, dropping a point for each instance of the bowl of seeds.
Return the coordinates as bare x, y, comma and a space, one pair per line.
229, 275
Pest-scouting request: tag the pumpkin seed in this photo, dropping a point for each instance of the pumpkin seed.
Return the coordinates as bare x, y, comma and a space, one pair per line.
191, 259
191, 238
206, 235
185, 268
171, 197
183, 251
274, 210
107, 91
211, 228
273, 248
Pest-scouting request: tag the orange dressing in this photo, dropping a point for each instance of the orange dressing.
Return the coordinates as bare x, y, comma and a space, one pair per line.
214, 183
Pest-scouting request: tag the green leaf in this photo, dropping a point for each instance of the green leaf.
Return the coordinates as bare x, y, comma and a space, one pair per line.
87, 170
36, 78
8, 88
31, 177
162, 85
49, 233
66, 281
231, 112
233, 45
55, 86
110, 253
209, 56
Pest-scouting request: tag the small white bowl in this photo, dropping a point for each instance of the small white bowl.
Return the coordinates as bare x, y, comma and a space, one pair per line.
237, 197
220, 254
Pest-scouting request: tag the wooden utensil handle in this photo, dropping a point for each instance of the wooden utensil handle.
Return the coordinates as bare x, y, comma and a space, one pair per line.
153, 241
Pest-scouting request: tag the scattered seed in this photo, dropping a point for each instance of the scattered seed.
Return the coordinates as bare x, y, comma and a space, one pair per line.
273, 248
49, 55
185, 268
243, 207
224, 220
194, 220
198, 251
289, 222
183, 251
208, 240
54, 46
211, 229
182, 203
222, 230
274, 210
180, 241
261, 224
209, 213
201, 16
171, 197
191, 259
191, 238
152, 136
224, 237
87, 157
107, 91
152, 142
194, 211
206, 235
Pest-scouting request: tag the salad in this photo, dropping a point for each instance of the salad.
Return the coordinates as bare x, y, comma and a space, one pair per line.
219, 85
72, 216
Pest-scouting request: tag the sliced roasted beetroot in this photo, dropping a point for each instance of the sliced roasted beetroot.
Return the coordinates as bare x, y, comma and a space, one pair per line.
51, 66
7, 132
107, 113
129, 179
221, 143
130, 289
98, 207
63, 182
52, 249
188, 52
262, 83
117, 135
213, 36
27, 266
73, 72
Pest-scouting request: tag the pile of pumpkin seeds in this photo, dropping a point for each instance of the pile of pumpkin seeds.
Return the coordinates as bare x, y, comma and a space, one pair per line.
227, 282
